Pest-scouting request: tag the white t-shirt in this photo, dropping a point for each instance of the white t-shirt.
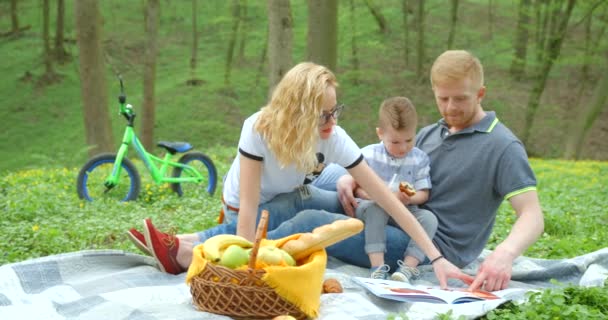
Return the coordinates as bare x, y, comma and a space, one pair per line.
339, 148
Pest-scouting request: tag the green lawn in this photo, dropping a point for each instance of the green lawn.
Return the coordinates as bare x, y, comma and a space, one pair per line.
43, 216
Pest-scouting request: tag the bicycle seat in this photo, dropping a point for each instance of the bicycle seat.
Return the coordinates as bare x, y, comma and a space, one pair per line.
175, 147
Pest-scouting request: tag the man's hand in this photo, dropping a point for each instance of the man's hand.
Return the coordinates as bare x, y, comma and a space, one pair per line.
445, 270
345, 187
495, 272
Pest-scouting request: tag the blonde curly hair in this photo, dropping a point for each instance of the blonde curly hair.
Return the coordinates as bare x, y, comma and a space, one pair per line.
289, 123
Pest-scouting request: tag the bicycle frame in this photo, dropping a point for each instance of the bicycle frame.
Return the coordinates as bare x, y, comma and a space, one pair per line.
156, 166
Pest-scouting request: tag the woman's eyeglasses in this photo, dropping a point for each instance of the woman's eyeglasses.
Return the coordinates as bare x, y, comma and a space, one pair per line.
334, 113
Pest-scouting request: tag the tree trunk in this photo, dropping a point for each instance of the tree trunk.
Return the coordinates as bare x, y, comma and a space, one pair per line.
61, 55
405, 11
490, 19
261, 63
518, 64
584, 120
236, 21
557, 33
280, 41
322, 35
453, 20
152, 17
14, 18
244, 30
421, 56
47, 55
543, 14
378, 16
194, 81
587, 118
353, 42
92, 77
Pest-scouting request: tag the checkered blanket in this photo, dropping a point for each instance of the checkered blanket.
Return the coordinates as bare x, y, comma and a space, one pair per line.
112, 284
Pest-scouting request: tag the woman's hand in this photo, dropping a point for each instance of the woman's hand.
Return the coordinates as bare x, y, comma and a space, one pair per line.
345, 187
445, 270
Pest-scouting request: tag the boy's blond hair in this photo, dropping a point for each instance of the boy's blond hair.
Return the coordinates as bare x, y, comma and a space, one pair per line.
289, 123
398, 113
454, 65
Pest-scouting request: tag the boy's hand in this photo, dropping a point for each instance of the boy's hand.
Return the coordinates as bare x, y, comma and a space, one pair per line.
404, 198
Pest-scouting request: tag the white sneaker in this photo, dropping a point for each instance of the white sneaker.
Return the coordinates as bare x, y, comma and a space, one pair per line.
405, 273
381, 272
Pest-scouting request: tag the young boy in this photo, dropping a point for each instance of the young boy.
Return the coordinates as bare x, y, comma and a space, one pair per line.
396, 160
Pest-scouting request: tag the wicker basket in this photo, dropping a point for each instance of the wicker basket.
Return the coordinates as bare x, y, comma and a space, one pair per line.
240, 293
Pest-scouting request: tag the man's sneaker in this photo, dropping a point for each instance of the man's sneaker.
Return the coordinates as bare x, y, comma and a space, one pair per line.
163, 247
139, 240
405, 273
381, 272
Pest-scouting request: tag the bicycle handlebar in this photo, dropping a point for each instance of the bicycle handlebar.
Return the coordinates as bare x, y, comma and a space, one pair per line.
125, 109
122, 98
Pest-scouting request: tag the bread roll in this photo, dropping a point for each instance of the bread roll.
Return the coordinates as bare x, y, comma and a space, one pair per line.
407, 188
322, 237
332, 285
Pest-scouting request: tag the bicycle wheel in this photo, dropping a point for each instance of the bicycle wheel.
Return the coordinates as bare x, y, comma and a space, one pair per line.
201, 163
92, 176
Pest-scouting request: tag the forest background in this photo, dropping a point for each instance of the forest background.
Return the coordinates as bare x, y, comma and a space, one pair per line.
194, 70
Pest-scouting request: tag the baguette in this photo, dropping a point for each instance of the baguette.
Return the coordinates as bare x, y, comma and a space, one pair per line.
407, 188
322, 237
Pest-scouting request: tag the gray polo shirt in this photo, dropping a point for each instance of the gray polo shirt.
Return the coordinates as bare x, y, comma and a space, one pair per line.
472, 172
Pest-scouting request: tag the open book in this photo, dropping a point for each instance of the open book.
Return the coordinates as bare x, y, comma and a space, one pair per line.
401, 291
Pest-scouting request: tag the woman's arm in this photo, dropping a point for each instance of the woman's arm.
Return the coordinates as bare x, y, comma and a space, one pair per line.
249, 196
379, 192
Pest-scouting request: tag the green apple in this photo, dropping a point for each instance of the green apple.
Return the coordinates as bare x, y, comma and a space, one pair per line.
270, 255
234, 256
288, 258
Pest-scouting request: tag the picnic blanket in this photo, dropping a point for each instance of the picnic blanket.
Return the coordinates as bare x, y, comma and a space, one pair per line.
113, 284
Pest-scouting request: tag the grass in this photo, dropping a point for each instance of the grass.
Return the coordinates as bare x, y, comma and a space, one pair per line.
43, 216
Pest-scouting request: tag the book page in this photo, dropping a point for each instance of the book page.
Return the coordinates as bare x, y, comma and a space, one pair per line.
401, 291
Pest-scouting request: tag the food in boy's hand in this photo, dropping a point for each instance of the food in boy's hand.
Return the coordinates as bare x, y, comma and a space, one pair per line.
407, 188
285, 317
332, 285
322, 237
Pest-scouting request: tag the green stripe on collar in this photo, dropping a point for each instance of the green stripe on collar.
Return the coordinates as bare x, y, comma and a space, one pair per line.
494, 123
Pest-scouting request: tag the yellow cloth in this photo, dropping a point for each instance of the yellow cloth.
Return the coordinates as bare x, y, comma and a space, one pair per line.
301, 285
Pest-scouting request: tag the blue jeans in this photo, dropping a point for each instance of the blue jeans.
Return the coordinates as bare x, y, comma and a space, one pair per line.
281, 208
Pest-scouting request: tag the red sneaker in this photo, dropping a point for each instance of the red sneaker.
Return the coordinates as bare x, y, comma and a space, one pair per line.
163, 247
139, 240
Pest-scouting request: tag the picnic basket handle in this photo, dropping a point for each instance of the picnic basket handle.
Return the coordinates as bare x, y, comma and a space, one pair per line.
259, 235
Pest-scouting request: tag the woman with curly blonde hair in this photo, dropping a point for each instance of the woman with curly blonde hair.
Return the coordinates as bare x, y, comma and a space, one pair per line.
281, 147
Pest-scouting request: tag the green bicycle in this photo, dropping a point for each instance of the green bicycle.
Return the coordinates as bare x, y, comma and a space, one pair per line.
114, 176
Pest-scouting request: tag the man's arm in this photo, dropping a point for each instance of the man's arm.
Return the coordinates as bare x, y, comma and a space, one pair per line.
495, 272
